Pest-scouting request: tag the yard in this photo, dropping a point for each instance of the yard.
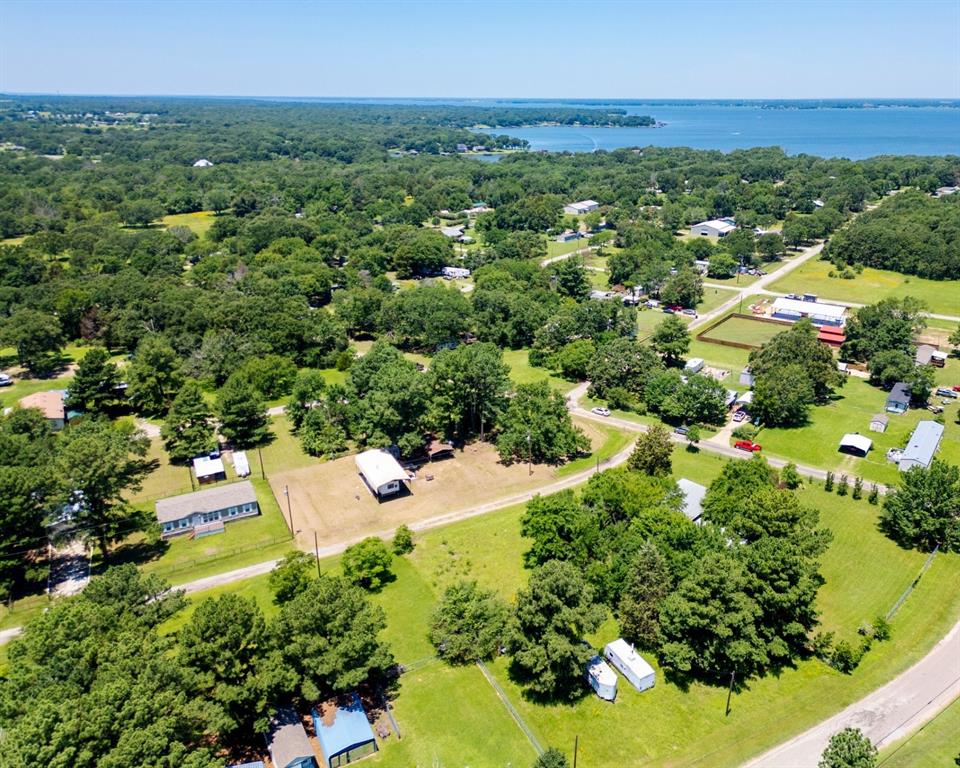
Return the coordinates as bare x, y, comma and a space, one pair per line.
871, 285
936, 744
744, 330
451, 716
521, 372
199, 222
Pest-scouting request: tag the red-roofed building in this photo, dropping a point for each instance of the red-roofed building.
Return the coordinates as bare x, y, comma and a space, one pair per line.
831, 335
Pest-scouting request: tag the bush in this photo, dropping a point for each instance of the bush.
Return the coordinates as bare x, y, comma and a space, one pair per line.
881, 629
367, 564
842, 486
845, 657
874, 495
828, 483
790, 477
403, 541
745, 432
857, 488
619, 399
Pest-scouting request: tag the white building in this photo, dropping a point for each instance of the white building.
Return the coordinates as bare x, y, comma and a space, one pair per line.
855, 444
381, 472
452, 273
818, 312
630, 664
455, 232
203, 163
694, 365
713, 228
241, 464
584, 206
209, 470
602, 679
923, 444
693, 494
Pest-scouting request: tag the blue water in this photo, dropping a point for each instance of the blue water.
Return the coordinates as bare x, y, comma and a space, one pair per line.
924, 128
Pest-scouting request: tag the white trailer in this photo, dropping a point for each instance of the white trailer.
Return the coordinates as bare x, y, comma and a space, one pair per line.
602, 679
624, 658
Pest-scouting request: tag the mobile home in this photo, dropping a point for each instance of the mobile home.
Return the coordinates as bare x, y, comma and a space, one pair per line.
624, 658
602, 679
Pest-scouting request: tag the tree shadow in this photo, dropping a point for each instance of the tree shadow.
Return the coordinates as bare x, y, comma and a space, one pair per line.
523, 680
137, 553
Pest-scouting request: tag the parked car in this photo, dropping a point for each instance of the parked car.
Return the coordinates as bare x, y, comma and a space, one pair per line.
601, 411
747, 445
5, 380
681, 430
956, 387
944, 392
935, 408
691, 312
676, 308
740, 416
668, 310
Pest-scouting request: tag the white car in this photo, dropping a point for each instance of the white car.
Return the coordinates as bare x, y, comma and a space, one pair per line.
5, 381
601, 411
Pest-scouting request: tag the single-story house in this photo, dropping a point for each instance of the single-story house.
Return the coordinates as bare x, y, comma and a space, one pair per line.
878, 423
818, 312
209, 470
898, 401
831, 335
731, 398
602, 679
454, 232
746, 399
855, 444
462, 148
343, 731
288, 742
452, 273
603, 295
381, 472
203, 163
922, 445
241, 464
50, 404
693, 494
944, 191
713, 228
207, 510
568, 236
702, 266
624, 658
477, 209
584, 206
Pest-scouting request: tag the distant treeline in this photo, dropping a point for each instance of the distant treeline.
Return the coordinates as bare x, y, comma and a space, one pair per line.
913, 233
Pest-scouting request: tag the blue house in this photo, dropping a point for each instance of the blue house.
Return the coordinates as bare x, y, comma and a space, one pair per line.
898, 401
343, 731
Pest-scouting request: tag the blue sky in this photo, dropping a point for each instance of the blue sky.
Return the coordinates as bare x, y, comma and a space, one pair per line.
551, 49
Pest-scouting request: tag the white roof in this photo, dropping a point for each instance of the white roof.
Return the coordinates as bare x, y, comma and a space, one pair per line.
205, 466
694, 362
746, 398
241, 464
721, 225
923, 443
630, 658
584, 204
815, 308
202, 163
379, 467
600, 671
859, 442
452, 231
693, 494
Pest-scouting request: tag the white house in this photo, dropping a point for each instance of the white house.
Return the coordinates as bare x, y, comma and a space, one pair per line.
381, 472
209, 470
693, 494
630, 664
713, 228
922, 445
451, 273
584, 206
455, 232
203, 163
602, 679
818, 312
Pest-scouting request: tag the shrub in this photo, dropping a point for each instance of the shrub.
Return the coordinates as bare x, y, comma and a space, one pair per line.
403, 541
828, 483
790, 477
745, 432
874, 495
857, 488
367, 564
843, 486
845, 657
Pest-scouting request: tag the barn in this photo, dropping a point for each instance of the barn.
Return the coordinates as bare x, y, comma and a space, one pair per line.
343, 731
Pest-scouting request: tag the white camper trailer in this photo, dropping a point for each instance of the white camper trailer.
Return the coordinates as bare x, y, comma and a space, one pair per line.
602, 679
630, 664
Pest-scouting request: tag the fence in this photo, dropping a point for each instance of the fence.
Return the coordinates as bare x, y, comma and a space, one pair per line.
703, 335
189, 564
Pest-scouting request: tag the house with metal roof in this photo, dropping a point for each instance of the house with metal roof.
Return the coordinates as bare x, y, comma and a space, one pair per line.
898, 401
209, 470
693, 494
206, 511
381, 472
288, 742
878, 423
50, 404
584, 206
922, 446
343, 731
714, 228
817, 312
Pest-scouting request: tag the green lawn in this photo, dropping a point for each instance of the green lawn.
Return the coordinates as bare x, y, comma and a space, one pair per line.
199, 222
558, 249
871, 285
521, 372
936, 745
745, 331
614, 441
452, 717
720, 356
10, 396
816, 443
713, 298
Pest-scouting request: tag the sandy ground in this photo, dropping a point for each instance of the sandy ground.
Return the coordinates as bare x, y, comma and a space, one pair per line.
332, 500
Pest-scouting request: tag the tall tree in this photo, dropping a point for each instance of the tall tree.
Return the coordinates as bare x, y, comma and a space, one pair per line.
37, 338
242, 414
671, 339
639, 607
94, 386
653, 452
554, 613
469, 623
469, 386
799, 346
188, 428
536, 427
924, 510
153, 375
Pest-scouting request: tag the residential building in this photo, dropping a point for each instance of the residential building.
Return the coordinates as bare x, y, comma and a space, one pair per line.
818, 313
206, 511
343, 731
452, 273
693, 495
203, 163
381, 472
452, 232
209, 469
898, 401
714, 228
584, 206
51, 404
927, 354
922, 446
288, 742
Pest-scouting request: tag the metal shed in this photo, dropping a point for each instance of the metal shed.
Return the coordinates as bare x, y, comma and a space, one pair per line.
343, 731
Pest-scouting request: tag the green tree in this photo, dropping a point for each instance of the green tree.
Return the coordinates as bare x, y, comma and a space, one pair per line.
536, 427
242, 415
574, 359
403, 541
684, 288
217, 200
552, 758
652, 454
571, 278
722, 266
849, 748
558, 528
153, 375
554, 612
771, 246
139, 213
94, 386
623, 363
37, 338
924, 509
783, 399
649, 584
291, 576
671, 339
98, 464
468, 388
309, 386
890, 324
469, 623
329, 636
188, 428
367, 564
799, 346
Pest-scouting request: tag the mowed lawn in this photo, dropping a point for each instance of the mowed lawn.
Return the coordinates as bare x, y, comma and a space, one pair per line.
855, 403
746, 331
521, 372
451, 716
199, 222
871, 285
936, 745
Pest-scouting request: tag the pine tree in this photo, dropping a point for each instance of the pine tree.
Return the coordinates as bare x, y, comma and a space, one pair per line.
243, 418
858, 488
828, 483
842, 486
188, 429
94, 387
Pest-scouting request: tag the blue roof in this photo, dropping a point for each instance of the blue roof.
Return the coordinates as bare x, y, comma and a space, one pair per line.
255, 764
349, 728
923, 443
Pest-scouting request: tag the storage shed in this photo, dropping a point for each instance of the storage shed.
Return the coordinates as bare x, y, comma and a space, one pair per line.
288, 742
878, 423
240, 464
855, 444
694, 365
343, 731
898, 401
713, 228
602, 679
209, 470
922, 446
630, 664
381, 472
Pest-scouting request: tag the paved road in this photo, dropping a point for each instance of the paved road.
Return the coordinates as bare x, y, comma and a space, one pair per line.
886, 715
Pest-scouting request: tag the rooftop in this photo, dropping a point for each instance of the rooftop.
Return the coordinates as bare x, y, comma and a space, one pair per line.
204, 466
341, 726
856, 442
629, 656
50, 403
208, 500
693, 494
601, 672
923, 443
379, 467
815, 308
287, 740
900, 393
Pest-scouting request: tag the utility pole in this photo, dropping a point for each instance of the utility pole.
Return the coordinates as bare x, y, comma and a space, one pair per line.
529, 454
316, 552
263, 472
576, 747
733, 676
286, 492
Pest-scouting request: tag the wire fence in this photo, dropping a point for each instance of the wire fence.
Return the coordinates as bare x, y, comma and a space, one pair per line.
511, 709
186, 565
913, 584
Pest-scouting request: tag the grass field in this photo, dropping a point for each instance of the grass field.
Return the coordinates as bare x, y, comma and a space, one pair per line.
199, 222
452, 716
746, 331
936, 745
871, 285
816, 443
521, 372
